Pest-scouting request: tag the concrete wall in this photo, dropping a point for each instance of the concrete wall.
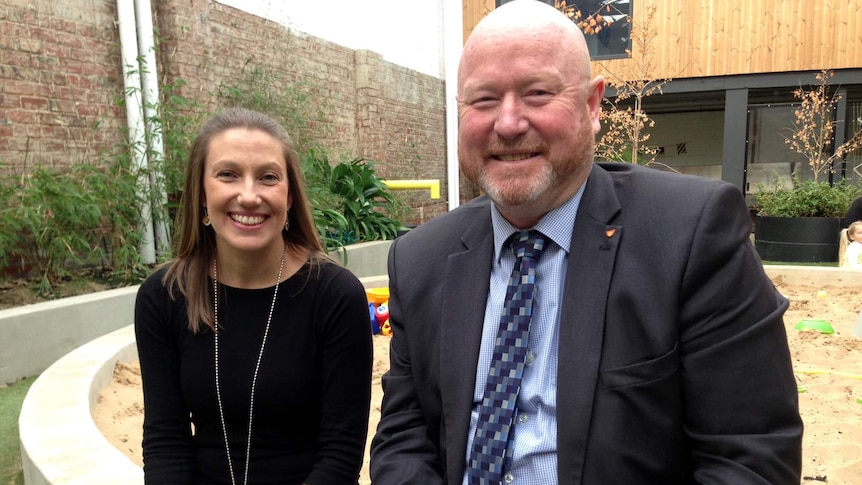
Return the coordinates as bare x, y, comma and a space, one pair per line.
365, 259
35, 336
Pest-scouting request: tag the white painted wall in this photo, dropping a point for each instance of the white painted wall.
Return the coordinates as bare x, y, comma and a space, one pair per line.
407, 33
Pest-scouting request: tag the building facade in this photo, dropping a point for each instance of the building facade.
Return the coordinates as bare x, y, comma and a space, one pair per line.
730, 68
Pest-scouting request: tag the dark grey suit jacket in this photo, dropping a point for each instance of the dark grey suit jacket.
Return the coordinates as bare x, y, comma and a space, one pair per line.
673, 358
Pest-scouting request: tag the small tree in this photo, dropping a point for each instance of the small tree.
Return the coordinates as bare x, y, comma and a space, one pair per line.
625, 120
812, 133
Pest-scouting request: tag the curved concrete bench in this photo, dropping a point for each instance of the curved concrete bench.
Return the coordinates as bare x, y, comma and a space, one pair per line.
60, 443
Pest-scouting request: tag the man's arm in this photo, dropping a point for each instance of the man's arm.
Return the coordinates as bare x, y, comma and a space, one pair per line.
401, 451
739, 392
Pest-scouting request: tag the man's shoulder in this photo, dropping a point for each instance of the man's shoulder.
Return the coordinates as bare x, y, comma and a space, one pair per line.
446, 231
641, 174
455, 220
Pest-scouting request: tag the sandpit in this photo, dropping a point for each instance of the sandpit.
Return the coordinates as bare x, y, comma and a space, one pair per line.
828, 369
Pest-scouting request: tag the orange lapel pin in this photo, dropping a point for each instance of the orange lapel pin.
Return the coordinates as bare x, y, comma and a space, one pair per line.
610, 232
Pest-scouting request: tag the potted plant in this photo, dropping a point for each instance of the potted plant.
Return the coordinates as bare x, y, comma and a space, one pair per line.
801, 223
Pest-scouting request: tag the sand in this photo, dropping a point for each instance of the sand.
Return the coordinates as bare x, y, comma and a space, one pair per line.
828, 371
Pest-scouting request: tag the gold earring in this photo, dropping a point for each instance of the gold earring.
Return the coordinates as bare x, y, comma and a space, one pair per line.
206, 219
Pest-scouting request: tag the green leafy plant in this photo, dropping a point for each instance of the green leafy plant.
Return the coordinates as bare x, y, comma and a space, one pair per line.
52, 215
351, 204
806, 199
117, 193
329, 221
177, 121
366, 201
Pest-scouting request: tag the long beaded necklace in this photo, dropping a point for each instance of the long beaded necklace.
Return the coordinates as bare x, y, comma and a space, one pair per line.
253, 379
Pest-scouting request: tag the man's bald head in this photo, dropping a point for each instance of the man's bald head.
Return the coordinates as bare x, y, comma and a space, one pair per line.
525, 20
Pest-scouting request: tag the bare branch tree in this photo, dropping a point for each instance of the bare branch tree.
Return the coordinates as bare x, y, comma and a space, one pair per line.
624, 119
813, 130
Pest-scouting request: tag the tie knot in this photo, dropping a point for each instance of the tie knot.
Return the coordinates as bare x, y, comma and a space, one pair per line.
528, 244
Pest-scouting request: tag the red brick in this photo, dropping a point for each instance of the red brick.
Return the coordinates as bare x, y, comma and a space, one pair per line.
31, 103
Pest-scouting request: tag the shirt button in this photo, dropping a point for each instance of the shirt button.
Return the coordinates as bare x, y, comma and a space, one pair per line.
523, 418
509, 478
530, 358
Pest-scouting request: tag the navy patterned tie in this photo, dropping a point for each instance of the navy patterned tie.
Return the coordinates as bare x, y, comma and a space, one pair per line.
488, 454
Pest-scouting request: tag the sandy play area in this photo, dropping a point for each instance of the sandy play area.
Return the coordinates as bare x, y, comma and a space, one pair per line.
828, 371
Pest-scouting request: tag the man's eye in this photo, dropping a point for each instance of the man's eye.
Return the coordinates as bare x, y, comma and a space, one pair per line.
484, 101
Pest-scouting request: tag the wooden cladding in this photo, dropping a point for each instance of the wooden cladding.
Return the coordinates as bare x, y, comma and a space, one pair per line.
726, 37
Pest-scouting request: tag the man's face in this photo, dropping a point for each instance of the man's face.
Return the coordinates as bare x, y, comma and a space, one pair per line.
528, 119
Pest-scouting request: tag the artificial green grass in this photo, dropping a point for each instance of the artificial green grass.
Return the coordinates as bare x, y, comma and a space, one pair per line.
11, 399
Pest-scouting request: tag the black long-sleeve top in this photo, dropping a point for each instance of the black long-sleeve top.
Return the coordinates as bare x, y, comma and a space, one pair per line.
312, 394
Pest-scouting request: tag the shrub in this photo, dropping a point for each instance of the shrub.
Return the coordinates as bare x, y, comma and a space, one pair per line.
351, 204
806, 199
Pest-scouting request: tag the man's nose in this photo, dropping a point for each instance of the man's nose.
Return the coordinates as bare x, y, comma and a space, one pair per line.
510, 121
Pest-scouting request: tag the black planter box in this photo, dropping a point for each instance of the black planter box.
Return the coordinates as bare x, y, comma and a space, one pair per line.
797, 239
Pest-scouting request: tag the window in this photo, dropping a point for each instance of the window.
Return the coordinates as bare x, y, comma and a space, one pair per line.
606, 23
853, 167
769, 161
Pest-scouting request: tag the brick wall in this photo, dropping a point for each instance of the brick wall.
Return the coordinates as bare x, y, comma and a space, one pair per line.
60, 77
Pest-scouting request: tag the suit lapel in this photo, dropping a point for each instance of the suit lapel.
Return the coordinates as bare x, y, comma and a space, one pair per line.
582, 319
463, 312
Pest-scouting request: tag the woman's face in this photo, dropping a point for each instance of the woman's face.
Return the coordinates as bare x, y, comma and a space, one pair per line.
246, 191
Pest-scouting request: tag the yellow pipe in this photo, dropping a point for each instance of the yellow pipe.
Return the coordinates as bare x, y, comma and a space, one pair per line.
431, 184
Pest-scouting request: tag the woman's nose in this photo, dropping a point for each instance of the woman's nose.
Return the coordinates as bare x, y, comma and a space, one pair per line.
248, 194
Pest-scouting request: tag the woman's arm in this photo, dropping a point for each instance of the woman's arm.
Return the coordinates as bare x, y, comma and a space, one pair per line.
345, 334
167, 450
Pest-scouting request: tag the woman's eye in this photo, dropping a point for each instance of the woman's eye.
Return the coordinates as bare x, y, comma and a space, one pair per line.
270, 177
224, 174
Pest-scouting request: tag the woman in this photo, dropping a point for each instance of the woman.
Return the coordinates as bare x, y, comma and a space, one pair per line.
255, 348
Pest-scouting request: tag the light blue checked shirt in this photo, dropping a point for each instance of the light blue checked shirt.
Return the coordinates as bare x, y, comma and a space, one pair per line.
534, 459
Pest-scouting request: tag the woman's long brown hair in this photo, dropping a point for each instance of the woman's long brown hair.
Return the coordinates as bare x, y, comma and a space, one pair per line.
196, 244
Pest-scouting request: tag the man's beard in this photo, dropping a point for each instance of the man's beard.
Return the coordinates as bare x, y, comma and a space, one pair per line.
518, 187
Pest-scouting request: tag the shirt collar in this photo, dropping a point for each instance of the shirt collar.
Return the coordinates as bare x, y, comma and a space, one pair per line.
558, 224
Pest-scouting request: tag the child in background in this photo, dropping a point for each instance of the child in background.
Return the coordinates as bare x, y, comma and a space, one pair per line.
850, 248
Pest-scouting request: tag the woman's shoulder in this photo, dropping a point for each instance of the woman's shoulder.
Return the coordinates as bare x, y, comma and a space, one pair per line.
154, 284
156, 277
331, 271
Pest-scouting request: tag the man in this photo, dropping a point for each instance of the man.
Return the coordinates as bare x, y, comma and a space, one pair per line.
656, 353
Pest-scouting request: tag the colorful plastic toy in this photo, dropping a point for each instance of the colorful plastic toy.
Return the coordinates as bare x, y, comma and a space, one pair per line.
377, 295
382, 312
372, 313
817, 324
